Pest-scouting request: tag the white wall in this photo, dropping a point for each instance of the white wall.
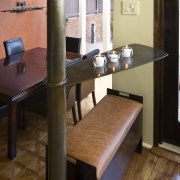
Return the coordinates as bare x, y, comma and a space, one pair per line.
128, 29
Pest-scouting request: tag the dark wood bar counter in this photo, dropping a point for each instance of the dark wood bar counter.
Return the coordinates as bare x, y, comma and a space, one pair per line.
85, 70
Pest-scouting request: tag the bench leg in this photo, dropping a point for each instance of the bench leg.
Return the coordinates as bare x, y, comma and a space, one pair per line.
139, 147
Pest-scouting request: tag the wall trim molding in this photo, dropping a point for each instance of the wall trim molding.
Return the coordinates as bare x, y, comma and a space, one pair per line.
148, 146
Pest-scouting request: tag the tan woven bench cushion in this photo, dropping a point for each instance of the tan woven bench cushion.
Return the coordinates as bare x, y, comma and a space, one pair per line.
97, 137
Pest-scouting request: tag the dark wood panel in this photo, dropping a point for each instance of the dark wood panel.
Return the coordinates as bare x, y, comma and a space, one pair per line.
158, 71
171, 131
166, 37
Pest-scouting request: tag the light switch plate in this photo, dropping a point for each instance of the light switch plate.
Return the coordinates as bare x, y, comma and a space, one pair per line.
21, 3
130, 7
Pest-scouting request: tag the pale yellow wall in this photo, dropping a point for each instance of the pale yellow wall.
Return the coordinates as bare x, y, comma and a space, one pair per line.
128, 29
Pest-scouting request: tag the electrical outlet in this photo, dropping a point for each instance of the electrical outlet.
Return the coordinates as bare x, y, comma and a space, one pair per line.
130, 7
21, 3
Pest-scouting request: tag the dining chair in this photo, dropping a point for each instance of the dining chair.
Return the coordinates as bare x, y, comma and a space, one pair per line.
73, 44
13, 46
38, 104
83, 89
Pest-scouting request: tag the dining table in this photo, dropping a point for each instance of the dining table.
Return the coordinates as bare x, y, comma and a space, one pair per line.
22, 75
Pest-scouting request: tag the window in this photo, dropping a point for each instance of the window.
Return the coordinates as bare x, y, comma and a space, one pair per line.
93, 6
72, 8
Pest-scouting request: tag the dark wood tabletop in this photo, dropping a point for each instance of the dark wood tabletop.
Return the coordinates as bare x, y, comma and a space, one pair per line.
21, 75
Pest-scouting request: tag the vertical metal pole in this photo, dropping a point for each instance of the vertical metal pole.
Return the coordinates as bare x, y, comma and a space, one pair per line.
56, 76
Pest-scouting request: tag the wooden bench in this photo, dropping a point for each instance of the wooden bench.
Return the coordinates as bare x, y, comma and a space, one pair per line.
101, 145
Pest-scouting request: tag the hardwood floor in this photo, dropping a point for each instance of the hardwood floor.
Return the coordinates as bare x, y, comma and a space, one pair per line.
29, 163
149, 166
169, 155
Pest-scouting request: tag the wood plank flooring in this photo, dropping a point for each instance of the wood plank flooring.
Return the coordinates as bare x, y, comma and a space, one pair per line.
148, 166
30, 161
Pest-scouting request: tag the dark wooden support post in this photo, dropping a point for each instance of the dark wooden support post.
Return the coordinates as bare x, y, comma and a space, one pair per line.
56, 77
158, 71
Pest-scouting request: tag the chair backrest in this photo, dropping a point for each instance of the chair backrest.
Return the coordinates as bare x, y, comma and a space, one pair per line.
73, 44
13, 46
91, 54
15, 58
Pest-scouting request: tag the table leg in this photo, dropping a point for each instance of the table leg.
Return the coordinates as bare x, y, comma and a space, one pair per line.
12, 130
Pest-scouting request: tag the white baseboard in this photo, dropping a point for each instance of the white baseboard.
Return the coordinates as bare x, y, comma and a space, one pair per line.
165, 146
148, 146
170, 147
